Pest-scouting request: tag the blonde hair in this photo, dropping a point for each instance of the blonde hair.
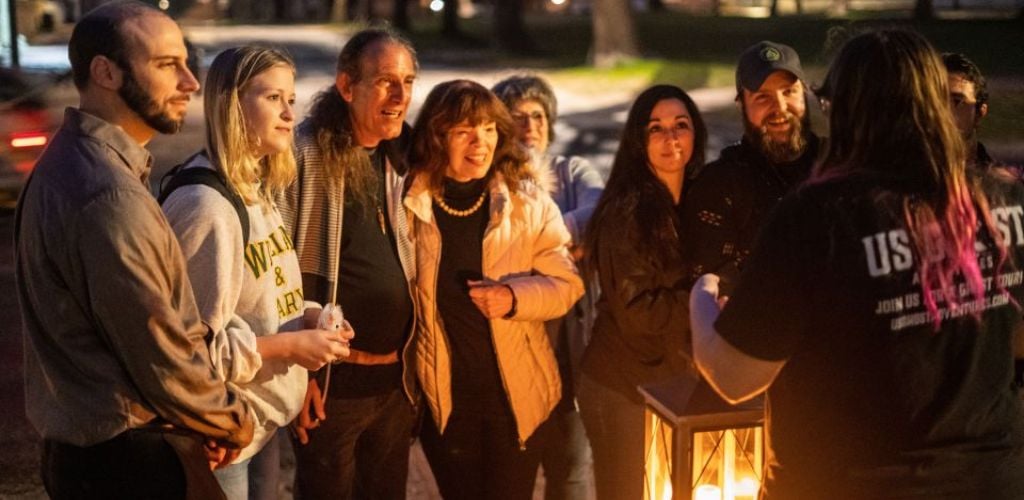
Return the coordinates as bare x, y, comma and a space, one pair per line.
228, 146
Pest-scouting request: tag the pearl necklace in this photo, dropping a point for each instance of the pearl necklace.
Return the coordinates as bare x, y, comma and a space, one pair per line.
461, 213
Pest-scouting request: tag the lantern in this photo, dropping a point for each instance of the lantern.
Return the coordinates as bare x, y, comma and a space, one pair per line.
699, 447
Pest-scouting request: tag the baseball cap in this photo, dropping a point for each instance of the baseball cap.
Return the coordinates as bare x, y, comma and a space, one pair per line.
763, 59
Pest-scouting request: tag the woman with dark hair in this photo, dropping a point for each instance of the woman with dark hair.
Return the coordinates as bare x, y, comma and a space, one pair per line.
493, 265
633, 244
880, 307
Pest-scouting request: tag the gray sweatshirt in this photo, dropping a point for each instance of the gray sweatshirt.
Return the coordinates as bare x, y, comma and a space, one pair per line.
243, 295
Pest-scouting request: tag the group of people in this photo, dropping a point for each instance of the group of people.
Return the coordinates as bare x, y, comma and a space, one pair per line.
362, 282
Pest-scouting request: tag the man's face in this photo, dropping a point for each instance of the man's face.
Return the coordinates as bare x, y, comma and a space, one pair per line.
964, 103
379, 100
157, 84
773, 117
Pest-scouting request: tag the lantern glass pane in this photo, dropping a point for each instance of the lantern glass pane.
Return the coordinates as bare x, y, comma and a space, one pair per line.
727, 464
658, 459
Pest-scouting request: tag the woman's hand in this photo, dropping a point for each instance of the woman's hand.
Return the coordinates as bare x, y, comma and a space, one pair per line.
492, 298
312, 349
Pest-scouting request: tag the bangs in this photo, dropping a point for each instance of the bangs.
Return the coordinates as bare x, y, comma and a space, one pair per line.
474, 107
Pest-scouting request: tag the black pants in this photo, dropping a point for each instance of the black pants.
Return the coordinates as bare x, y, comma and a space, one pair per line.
135, 464
479, 457
360, 451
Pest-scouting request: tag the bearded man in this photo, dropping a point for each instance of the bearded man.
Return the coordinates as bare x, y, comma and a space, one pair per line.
725, 206
118, 380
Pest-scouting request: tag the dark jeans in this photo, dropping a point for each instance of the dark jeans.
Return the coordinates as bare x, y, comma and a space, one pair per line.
134, 464
479, 457
568, 463
615, 426
360, 451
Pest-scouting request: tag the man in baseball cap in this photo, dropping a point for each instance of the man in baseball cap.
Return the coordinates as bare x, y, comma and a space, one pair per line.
726, 204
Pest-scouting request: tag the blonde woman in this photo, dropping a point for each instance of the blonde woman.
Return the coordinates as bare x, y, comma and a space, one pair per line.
241, 262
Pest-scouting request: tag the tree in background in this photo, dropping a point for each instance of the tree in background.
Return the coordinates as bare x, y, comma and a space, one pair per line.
924, 10
614, 34
774, 10
509, 27
450, 20
400, 15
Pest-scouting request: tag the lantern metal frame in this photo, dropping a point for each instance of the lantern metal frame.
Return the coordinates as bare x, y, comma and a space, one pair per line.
690, 406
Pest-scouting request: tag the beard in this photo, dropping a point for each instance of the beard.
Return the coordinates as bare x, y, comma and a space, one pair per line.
143, 104
784, 151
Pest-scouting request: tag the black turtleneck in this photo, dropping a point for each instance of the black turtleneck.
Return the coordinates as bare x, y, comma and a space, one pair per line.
476, 381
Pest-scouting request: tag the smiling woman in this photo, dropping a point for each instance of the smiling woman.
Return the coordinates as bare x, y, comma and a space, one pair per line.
634, 248
493, 265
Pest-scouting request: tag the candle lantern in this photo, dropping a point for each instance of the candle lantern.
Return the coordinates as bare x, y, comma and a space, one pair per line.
699, 447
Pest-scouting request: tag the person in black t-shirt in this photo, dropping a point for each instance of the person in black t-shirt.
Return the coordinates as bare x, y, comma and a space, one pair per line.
727, 203
633, 246
492, 265
880, 306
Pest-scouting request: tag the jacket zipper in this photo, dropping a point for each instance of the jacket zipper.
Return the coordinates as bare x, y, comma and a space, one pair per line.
497, 358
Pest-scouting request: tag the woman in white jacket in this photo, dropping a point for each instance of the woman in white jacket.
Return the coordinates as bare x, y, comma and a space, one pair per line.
250, 292
493, 265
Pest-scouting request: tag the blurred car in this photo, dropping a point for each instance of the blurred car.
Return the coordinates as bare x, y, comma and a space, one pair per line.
26, 125
39, 16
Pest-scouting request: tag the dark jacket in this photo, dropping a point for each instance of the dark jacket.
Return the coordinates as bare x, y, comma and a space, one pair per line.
727, 204
641, 332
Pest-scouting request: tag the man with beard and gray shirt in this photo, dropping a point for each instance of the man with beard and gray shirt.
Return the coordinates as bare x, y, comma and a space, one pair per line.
118, 378
725, 206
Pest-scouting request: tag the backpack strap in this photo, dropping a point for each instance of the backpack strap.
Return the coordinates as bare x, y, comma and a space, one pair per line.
180, 176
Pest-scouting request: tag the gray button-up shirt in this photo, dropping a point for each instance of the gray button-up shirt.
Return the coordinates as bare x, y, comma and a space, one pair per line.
113, 338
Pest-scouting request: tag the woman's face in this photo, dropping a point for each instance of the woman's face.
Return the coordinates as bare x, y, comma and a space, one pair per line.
267, 108
533, 125
471, 150
669, 137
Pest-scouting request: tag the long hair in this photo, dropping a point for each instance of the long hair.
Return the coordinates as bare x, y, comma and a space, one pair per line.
635, 191
889, 99
454, 102
330, 118
227, 144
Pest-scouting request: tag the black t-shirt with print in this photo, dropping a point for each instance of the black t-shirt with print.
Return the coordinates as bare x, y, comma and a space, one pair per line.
873, 401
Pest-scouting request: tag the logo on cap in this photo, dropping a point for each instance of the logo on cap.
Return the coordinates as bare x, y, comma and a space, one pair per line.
770, 54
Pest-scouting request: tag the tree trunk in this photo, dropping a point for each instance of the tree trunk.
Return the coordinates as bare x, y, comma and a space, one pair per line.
339, 9
924, 10
774, 10
509, 27
799, 6
614, 35
838, 8
450, 19
400, 15
655, 5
